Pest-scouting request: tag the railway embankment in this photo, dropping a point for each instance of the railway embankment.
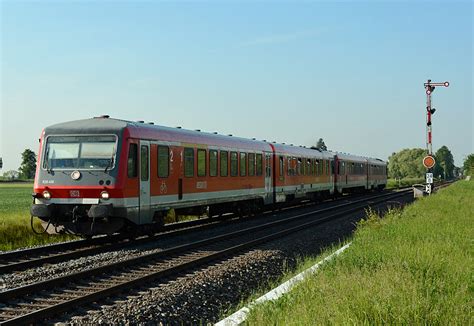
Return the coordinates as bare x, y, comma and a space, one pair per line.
414, 266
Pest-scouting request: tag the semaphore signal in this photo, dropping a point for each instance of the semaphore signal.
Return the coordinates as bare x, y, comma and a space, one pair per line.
429, 160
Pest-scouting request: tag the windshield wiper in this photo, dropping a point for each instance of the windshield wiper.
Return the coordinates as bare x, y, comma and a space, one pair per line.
111, 163
46, 162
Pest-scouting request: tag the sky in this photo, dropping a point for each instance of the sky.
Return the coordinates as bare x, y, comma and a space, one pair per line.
349, 72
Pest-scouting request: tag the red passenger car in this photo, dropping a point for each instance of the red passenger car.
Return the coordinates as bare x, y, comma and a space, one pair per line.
105, 175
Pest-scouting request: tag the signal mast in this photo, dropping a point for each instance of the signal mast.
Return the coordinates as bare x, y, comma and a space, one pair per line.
429, 161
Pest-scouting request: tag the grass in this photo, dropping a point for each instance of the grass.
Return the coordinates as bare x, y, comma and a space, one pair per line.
405, 182
15, 229
412, 267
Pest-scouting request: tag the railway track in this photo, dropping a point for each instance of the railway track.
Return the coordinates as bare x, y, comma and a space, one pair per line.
35, 302
33, 257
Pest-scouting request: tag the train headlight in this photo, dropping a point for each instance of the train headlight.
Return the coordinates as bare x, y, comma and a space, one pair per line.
104, 195
46, 195
75, 175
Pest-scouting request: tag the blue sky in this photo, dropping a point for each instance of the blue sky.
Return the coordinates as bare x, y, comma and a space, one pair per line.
349, 72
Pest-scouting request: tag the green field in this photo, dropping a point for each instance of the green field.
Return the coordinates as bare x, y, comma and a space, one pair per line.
412, 267
15, 229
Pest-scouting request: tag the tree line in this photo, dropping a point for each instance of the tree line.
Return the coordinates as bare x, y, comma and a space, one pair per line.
27, 168
408, 163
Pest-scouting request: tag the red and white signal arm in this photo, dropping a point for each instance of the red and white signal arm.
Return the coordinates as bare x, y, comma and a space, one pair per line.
429, 161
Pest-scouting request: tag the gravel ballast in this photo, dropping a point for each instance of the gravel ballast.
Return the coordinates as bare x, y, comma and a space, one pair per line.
213, 292
41, 273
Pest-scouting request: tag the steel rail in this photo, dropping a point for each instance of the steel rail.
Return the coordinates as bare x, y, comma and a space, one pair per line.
28, 258
153, 274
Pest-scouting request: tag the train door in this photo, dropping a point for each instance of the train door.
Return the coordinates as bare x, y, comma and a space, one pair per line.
268, 179
145, 182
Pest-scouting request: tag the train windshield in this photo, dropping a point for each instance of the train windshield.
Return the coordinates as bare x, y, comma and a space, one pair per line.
80, 152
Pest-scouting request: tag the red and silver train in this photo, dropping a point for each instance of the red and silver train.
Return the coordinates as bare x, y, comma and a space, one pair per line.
104, 175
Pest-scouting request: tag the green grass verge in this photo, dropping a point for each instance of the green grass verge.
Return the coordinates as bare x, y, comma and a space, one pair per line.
405, 182
15, 229
411, 267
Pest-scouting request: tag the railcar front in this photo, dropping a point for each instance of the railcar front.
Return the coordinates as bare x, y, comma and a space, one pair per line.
77, 184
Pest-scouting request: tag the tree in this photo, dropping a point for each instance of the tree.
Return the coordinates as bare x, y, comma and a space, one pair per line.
28, 164
468, 165
11, 175
407, 163
320, 145
444, 163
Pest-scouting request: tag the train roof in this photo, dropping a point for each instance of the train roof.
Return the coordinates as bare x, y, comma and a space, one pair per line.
301, 151
360, 159
94, 125
142, 130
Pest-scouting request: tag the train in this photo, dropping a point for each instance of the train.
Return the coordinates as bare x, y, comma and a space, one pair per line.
104, 175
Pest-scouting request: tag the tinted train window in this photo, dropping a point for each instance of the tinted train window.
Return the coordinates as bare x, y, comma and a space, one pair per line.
201, 162
188, 162
213, 163
234, 164
243, 164
251, 164
144, 163
224, 163
282, 168
163, 161
132, 161
259, 164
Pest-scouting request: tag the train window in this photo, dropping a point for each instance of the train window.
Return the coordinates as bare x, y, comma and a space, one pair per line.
282, 165
234, 164
259, 164
212, 163
132, 161
243, 164
327, 167
251, 164
308, 166
201, 160
298, 167
144, 163
163, 161
189, 162
224, 163
317, 167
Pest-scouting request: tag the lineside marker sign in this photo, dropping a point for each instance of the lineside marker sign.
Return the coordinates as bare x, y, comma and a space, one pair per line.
429, 178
